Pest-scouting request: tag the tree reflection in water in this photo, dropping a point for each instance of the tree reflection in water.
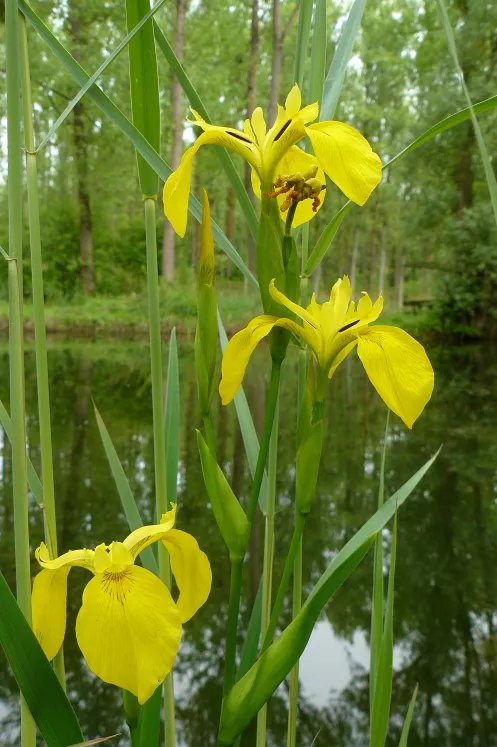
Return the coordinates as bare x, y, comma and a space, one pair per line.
446, 595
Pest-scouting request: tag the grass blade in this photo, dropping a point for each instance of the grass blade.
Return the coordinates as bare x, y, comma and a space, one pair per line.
197, 103
487, 165
407, 723
249, 435
129, 130
172, 420
92, 79
34, 481
383, 683
378, 586
37, 681
318, 53
144, 86
95, 741
127, 500
336, 73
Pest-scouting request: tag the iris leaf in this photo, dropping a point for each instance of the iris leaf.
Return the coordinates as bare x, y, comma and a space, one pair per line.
407, 722
34, 481
37, 681
172, 420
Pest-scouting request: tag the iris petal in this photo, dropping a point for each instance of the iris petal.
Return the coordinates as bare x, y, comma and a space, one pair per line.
129, 630
147, 535
48, 603
347, 158
398, 368
191, 570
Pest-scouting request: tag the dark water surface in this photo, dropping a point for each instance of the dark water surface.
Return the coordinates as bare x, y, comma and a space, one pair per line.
446, 584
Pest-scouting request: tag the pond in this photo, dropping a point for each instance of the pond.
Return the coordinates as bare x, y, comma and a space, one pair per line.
446, 583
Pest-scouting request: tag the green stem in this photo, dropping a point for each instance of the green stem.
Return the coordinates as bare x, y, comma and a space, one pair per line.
158, 429
209, 433
232, 625
16, 353
271, 403
285, 578
297, 567
268, 563
289, 218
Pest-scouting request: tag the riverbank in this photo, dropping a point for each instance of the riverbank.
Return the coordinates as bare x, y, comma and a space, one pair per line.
126, 317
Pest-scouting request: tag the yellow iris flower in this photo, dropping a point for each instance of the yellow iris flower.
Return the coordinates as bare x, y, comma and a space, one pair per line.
128, 627
340, 151
396, 364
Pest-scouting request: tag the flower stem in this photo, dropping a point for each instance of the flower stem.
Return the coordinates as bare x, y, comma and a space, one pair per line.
158, 429
268, 563
271, 403
232, 624
285, 578
297, 568
209, 433
16, 352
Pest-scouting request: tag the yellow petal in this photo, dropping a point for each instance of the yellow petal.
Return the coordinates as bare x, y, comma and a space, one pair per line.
258, 125
299, 311
293, 101
129, 630
83, 558
192, 571
341, 357
147, 535
347, 158
398, 368
49, 609
177, 187
240, 348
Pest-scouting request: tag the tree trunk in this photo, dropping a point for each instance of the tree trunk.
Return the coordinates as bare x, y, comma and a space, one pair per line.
383, 260
276, 62
399, 278
81, 138
353, 261
177, 118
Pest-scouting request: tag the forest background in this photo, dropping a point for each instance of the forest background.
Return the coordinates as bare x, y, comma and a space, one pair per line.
426, 239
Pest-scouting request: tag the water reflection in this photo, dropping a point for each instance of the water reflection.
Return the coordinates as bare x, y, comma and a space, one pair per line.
446, 595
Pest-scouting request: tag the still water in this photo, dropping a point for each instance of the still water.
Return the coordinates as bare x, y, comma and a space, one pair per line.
446, 583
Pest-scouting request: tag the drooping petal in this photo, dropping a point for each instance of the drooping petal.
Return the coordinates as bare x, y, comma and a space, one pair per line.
347, 158
147, 535
129, 630
177, 187
83, 558
48, 603
398, 368
240, 348
192, 571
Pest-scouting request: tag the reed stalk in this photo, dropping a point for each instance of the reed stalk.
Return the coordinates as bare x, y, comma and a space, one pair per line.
39, 318
268, 562
16, 352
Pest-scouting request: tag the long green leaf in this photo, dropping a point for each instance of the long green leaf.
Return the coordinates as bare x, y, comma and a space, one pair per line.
330, 231
128, 129
37, 681
383, 684
253, 690
125, 494
324, 241
197, 103
336, 74
303, 32
95, 741
34, 481
318, 53
144, 87
251, 642
407, 723
129, 39
487, 164
249, 435
172, 420
378, 586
